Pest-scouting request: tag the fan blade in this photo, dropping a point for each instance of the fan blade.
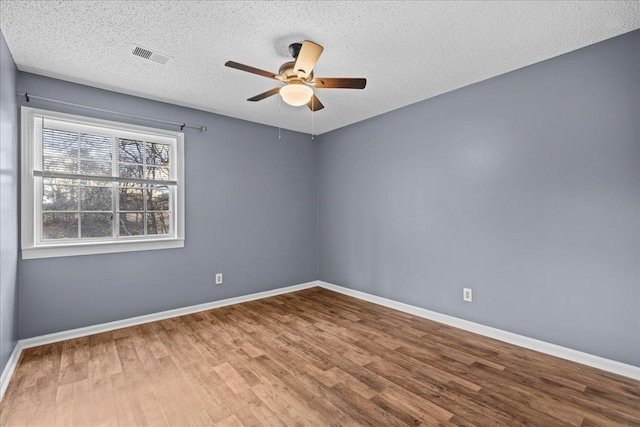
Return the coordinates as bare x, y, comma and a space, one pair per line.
264, 95
338, 83
252, 70
315, 104
307, 58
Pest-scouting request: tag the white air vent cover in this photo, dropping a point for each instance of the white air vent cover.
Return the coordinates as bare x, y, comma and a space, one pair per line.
151, 55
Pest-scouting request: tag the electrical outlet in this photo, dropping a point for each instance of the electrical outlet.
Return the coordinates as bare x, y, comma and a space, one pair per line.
467, 294
219, 279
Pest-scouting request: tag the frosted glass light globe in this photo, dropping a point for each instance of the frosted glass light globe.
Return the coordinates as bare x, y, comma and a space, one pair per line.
296, 94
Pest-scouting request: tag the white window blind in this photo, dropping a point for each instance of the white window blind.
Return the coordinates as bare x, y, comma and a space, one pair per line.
100, 182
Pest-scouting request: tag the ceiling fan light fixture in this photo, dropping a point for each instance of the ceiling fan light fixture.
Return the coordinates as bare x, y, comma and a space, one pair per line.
296, 94
298, 77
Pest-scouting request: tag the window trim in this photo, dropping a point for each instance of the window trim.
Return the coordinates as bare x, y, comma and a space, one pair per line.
32, 249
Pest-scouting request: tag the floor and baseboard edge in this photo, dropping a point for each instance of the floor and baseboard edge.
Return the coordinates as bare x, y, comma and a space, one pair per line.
505, 336
7, 373
147, 318
133, 321
499, 334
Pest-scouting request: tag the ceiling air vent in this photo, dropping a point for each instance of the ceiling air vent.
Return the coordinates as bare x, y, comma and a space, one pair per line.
150, 55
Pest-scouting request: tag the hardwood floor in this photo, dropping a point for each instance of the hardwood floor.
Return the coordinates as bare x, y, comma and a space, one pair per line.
312, 357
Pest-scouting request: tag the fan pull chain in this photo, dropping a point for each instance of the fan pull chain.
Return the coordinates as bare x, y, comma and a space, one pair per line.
312, 108
279, 117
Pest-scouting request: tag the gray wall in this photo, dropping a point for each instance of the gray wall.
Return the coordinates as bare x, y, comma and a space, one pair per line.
8, 205
251, 214
524, 187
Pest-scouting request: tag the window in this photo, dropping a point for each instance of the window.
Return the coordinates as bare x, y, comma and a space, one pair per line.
93, 186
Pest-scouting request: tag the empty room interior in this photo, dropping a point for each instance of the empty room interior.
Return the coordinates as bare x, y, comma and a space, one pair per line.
310, 213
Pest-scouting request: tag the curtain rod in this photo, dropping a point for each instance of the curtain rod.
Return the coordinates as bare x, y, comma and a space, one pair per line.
27, 97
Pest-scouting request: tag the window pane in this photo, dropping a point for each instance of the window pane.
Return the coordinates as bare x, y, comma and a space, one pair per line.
95, 147
131, 199
95, 225
157, 173
157, 223
95, 199
130, 151
60, 164
59, 198
59, 142
90, 167
131, 171
131, 223
97, 184
158, 154
59, 225
158, 199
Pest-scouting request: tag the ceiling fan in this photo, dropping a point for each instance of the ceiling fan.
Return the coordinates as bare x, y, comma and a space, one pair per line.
298, 77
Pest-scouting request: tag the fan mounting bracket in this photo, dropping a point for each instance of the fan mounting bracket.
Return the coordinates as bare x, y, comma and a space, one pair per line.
294, 49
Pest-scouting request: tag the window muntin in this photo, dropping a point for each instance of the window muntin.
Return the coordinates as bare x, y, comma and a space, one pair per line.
101, 182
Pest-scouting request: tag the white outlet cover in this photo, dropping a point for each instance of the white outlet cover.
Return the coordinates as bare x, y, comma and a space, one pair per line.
219, 279
467, 294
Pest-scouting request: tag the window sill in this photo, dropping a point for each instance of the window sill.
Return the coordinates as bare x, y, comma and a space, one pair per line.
93, 248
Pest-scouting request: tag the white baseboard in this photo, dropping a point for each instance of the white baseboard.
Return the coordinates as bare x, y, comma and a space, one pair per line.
7, 373
508, 337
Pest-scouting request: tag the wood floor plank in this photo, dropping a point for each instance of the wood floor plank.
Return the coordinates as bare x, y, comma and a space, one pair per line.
313, 357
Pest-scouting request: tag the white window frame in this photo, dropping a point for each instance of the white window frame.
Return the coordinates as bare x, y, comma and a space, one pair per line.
31, 194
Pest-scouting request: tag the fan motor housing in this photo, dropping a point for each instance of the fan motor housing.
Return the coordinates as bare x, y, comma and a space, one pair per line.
286, 71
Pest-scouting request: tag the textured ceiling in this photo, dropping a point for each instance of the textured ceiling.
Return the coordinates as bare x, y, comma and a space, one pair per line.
408, 51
